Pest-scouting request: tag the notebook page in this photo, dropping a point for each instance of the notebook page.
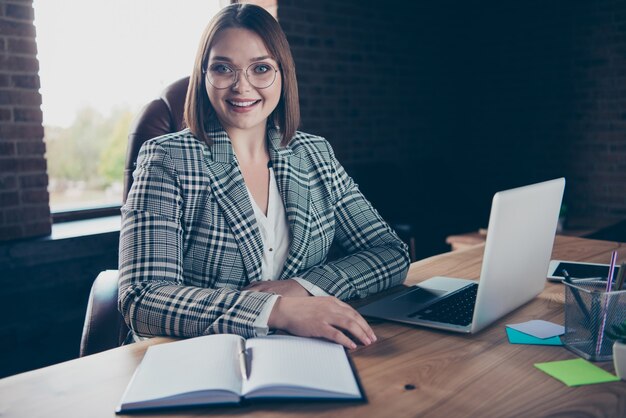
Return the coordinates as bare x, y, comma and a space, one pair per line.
196, 364
290, 363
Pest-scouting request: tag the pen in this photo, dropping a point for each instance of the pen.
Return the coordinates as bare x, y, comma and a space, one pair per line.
579, 301
609, 278
243, 363
619, 281
609, 282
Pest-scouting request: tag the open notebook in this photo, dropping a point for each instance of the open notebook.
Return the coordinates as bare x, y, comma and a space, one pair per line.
226, 369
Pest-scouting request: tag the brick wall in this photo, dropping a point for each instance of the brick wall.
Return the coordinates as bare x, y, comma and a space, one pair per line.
371, 81
45, 287
24, 209
351, 72
596, 160
546, 93
460, 100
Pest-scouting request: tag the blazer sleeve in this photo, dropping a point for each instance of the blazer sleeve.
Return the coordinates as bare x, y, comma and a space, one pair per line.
153, 297
377, 258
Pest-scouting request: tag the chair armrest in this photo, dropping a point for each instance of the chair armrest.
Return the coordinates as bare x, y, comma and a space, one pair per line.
104, 326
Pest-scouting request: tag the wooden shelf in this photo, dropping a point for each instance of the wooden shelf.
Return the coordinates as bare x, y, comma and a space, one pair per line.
575, 228
461, 241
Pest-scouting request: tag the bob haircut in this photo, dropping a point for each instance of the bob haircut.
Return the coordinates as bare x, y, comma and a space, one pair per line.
198, 109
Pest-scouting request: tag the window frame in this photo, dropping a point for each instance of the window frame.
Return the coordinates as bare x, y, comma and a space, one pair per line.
84, 213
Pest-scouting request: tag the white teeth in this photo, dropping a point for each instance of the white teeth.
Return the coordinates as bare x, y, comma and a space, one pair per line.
242, 104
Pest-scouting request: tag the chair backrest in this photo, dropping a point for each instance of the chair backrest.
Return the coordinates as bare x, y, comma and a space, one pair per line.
104, 326
159, 117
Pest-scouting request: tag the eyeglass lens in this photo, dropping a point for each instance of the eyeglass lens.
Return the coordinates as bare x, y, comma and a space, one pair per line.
259, 74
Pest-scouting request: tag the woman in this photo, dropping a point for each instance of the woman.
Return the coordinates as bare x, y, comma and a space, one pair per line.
228, 223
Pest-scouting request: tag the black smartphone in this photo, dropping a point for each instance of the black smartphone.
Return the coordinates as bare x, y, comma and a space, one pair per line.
578, 270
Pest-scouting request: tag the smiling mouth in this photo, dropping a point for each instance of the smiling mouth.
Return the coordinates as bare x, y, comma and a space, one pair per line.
242, 104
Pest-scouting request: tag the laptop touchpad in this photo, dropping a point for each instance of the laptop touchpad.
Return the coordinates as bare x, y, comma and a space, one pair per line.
419, 296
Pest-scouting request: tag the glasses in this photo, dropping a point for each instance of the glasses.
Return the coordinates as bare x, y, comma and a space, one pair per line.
260, 75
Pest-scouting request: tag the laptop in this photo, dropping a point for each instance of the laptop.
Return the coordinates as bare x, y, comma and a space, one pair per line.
520, 236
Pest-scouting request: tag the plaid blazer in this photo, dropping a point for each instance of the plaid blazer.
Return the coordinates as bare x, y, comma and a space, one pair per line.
189, 239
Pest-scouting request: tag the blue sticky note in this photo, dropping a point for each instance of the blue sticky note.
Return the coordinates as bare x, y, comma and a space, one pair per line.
517, 337
539, 328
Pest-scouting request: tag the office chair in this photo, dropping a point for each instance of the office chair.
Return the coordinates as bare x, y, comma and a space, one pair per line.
104, 326
159, 117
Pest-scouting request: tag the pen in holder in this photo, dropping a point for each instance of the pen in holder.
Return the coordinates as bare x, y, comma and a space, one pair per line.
589, 310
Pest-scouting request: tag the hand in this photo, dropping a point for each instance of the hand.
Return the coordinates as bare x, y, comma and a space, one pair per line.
325, 316
280, 287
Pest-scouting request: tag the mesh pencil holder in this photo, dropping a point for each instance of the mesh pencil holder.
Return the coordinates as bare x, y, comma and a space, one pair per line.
589, 312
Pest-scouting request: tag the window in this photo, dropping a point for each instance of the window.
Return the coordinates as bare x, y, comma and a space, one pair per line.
100, 61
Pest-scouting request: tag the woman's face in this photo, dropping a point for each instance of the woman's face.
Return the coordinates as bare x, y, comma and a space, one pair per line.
241, 106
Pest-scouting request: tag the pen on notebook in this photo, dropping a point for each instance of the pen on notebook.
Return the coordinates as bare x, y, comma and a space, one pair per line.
579, 301
243, 362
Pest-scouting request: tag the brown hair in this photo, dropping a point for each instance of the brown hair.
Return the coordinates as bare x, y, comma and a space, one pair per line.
198, 109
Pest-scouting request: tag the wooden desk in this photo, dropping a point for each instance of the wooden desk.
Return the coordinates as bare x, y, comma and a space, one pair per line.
408, 372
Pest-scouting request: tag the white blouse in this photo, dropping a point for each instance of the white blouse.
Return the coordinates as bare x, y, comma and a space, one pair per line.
274, 231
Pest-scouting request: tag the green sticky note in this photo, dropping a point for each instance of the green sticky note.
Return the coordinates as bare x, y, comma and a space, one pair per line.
576, 372
518, 337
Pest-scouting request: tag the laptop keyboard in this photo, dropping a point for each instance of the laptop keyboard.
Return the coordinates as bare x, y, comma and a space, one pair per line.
456, 309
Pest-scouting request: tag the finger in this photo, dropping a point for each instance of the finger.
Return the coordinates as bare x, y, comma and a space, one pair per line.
256, 285
351, 313
343, 316
365, 326
355, 329
262, 287
335, 335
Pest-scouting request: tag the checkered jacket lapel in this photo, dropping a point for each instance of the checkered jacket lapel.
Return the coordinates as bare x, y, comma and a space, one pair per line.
292, 177
232, 197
